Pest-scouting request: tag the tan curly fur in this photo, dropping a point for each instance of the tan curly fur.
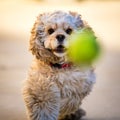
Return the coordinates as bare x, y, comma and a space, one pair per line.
51, 93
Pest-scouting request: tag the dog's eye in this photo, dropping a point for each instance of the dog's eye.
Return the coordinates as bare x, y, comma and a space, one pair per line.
50, 31
68, 31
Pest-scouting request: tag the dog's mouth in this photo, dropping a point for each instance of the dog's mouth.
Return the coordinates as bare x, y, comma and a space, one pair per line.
60, 49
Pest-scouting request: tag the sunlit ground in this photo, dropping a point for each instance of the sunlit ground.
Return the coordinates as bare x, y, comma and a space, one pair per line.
16, 20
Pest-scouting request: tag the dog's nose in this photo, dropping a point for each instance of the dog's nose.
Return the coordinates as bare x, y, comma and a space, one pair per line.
60, 38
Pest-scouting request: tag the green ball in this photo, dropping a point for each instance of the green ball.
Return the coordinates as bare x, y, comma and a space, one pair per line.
83, 47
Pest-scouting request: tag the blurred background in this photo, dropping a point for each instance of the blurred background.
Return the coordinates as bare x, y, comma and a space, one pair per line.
16, 20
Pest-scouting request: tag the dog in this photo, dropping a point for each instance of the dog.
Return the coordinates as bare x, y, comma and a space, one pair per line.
55, 87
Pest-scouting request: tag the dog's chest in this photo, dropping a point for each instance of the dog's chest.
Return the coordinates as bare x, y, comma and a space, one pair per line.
71, 85
74, 86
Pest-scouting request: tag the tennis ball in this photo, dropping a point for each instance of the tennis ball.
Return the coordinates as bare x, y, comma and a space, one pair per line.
83, 47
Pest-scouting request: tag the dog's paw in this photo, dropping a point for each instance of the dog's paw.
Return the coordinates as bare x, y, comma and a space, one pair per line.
75, 116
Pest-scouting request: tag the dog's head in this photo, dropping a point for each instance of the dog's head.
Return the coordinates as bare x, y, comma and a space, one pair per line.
50, 33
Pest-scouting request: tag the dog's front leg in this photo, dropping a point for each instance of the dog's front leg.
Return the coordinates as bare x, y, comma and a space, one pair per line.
42, 100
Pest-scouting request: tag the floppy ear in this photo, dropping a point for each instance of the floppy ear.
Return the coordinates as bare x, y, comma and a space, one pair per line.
36, 36
81, 24
37, 41
78, 20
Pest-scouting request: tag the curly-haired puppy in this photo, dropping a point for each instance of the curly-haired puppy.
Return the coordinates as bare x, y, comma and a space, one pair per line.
55, 87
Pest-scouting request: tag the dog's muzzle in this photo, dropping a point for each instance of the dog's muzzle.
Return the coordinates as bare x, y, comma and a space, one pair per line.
60, 49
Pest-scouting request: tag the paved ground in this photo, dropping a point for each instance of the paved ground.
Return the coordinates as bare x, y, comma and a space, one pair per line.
16, 21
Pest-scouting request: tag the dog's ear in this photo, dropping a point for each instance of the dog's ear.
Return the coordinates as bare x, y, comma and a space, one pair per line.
78, 20
36, 37
81, 23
